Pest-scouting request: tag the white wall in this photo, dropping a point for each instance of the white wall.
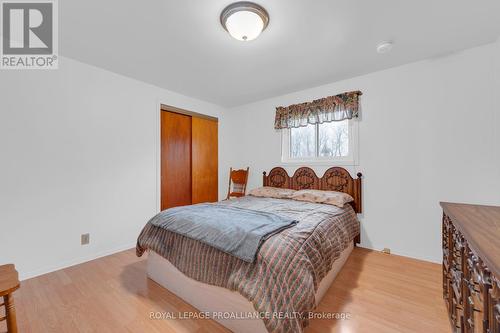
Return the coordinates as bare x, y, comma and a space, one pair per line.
496, 93
78, 154
427, 134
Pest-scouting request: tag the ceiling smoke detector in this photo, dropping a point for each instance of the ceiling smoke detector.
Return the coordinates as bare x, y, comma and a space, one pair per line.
384, 47
244, 20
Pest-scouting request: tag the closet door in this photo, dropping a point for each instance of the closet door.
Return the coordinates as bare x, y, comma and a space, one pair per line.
204, 160
175, 160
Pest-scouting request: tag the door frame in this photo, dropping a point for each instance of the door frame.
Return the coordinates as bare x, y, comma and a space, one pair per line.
160, 107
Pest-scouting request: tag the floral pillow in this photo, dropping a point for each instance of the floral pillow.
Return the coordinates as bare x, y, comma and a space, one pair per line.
326, 197
272, 192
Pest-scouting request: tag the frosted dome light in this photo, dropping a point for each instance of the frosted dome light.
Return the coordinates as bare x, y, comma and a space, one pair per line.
244, 20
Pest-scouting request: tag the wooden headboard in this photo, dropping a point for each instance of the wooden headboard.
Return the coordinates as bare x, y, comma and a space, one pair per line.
334, 179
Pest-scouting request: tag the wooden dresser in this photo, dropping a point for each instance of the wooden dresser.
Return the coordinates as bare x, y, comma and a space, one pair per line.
471, 266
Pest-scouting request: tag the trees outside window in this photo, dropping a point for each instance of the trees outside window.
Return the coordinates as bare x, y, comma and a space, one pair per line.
328, 143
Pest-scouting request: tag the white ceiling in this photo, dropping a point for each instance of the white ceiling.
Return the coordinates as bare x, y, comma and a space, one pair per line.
180, 45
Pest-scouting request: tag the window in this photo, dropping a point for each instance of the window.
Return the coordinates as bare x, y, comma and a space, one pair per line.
326, 142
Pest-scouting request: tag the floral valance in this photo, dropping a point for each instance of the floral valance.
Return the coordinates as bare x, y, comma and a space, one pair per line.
332, 108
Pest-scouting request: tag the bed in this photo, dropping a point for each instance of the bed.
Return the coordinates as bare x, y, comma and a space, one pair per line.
292, 270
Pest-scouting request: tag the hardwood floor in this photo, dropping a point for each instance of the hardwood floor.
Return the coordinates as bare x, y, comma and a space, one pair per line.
382, 293
385, 293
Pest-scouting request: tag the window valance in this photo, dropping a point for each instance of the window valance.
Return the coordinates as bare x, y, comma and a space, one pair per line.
332, 108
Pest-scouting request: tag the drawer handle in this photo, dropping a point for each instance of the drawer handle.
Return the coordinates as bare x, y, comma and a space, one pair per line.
471, 285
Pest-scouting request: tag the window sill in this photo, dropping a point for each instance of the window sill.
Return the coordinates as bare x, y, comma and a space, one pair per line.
318, 163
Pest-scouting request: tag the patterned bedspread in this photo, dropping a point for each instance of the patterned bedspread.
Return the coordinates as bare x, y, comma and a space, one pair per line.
282, 282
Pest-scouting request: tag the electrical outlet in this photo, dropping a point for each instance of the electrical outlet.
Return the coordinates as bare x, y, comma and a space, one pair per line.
85, 239
386, 250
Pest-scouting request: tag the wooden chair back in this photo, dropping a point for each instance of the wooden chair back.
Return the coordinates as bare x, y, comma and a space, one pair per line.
238, 179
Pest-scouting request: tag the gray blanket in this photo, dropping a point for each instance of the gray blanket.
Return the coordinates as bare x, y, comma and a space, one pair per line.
237, 231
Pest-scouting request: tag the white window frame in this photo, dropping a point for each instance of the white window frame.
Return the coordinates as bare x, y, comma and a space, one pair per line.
351, 159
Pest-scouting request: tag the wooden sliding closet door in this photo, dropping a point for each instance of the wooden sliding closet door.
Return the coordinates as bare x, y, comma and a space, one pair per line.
175, 160
204, 160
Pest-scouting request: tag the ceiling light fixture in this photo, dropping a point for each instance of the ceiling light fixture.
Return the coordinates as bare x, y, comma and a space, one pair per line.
384, 47
244, 20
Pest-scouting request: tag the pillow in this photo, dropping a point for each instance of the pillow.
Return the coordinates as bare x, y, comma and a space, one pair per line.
325, 197
272, 192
